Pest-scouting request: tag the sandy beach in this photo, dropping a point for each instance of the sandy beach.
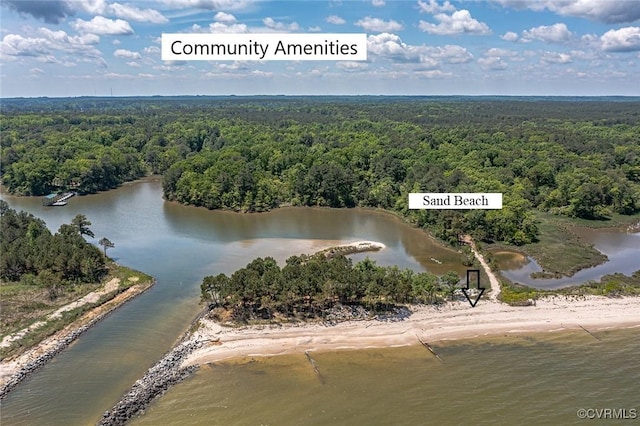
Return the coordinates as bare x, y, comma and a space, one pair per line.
456, 320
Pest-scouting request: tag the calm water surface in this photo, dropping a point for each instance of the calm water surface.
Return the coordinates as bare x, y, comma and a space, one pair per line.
622, 249
516, 380
179, 245
528, 379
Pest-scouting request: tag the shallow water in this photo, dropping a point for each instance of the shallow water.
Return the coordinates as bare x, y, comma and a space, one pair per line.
516, 379
179, 245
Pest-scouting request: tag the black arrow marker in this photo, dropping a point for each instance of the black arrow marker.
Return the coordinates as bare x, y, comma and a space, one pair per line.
465, 290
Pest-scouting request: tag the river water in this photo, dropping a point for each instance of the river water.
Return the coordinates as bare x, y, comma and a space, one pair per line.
622, 249
179, 245
539, 379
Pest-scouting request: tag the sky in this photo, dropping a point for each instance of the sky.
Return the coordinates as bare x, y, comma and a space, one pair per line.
62, 48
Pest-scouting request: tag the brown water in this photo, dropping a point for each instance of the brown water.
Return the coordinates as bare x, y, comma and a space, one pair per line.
179, 245
538, 379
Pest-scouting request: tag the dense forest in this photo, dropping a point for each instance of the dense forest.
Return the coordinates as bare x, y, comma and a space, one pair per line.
577, 157
309, 286
32, 255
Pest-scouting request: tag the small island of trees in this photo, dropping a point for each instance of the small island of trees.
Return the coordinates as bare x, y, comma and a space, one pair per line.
308, 286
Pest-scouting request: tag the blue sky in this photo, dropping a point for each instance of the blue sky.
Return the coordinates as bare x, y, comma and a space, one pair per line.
423, 47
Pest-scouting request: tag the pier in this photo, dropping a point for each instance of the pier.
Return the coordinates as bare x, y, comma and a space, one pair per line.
57, 199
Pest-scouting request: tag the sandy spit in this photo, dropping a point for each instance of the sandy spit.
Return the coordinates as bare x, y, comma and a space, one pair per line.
456, 320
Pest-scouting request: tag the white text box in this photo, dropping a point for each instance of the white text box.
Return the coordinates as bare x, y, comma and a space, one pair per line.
455, 200
264, 47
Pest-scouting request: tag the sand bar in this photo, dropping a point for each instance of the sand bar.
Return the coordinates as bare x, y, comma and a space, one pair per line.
455, 320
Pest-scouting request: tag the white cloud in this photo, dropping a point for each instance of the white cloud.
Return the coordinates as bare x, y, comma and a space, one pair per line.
390, 46
590, 40
127, 54
36, 71
496, 52
117, 75
556, 33
582, 55
259, 73
493, 63
378, 25
210, 4
171, 66
459, 22
151, 50
315, 29
451, 54
133, 64
427, 63
432, 74
225, 18
62, 37
509, 36
378, 3
335, 19
351, 66
135, 14
556, 58
280, 26
93, 7
623, 40
103, 26
234, 66
236, 69
432, 6
607, 11
221, 28
101, 7
48, 43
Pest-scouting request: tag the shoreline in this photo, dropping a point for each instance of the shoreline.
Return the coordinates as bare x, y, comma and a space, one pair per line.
14, 370
453, 321
209, 342
352, 248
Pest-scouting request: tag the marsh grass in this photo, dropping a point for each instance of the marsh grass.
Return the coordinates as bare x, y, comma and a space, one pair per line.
22, 305
559, 250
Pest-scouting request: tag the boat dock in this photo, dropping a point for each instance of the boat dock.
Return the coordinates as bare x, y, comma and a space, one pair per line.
57, 199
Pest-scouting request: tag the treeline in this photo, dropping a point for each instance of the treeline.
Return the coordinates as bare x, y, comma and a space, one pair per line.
32, 255
588, 169
84, 152
307, 286
571, 156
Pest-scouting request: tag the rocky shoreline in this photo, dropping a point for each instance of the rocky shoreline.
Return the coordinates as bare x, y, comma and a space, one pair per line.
62, 343
25, 371
164, 374
169, 371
